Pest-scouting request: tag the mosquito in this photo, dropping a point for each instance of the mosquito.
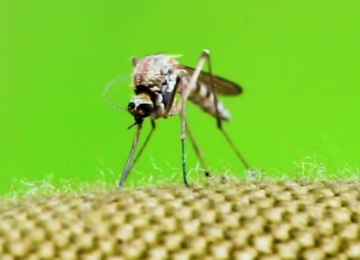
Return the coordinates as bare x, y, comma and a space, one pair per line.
158, 81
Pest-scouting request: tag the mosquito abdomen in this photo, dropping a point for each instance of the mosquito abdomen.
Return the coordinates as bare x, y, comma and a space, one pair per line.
202, 96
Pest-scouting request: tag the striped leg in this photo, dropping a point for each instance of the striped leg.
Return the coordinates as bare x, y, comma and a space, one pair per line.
171, 110
185, 92
206, 54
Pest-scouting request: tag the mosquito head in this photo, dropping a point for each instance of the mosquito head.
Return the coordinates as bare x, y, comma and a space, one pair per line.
140, 107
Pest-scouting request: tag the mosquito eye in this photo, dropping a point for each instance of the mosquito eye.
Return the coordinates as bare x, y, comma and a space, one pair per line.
145, 109
131, 106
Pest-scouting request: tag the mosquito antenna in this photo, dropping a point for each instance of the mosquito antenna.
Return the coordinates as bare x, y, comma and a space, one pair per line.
107, 90
131, 155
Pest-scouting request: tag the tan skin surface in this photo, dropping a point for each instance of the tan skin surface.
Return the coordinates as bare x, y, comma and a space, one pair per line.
218, 220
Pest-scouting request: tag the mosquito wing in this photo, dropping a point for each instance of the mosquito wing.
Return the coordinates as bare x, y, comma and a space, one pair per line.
222, 86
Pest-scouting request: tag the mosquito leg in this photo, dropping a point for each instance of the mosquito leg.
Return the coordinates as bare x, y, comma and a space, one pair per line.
198, 151
195, 145
218, 119
183, 130
133, 148
144, 145
171, 100
185, 92
234, 147
186, 88
128, 168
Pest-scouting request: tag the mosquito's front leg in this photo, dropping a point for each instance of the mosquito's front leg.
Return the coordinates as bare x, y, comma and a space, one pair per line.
132, 151
153, 126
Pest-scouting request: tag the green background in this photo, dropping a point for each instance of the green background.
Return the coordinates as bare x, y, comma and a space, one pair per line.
298, 62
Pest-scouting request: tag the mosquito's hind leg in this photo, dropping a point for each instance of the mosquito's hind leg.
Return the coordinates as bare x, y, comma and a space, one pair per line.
220, 126
218, 119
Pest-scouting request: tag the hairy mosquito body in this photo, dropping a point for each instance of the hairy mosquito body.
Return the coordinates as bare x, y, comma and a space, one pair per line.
156, 76
158, 80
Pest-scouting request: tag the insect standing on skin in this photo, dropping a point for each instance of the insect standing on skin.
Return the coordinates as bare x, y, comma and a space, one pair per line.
158, 80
